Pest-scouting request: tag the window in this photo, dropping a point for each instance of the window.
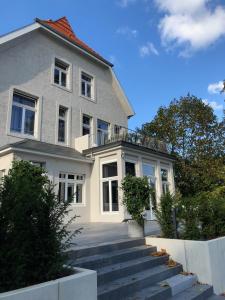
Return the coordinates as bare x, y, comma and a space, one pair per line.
110, 201
62, 124
164, 180
2, 174
61, 71
71, 188
23, 115
86, 127
149, 171
87, 88
102, 132
130, 168
117, 129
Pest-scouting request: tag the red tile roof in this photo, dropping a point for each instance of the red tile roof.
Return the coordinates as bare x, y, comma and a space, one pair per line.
63, 27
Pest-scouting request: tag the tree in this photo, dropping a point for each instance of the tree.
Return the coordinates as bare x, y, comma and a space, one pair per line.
195, 138
32, 228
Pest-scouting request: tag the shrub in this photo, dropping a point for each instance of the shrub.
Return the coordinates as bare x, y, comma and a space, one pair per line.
136, 195
164, 215
31, 228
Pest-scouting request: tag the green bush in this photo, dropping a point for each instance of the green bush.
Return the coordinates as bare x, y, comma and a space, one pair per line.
31, 229
164, 215
136, 195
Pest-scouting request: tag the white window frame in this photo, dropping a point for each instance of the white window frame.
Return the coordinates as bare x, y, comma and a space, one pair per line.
93, 85
108, 179
38, 115
68, 125
69, 72
164, 183
75, 182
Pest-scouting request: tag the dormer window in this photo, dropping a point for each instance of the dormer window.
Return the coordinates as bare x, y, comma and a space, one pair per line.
61, 73
87, 85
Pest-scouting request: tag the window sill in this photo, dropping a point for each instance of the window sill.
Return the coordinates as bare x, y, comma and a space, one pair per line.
62, 88
93, 100
21, 135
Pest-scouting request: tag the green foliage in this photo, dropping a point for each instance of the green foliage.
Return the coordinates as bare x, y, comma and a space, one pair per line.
136, 195
196, 138
164, 215
31, 228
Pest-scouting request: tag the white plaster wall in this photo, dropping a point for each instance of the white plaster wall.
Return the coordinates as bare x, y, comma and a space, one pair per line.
54, 167
6, 162
206, 259
26, 64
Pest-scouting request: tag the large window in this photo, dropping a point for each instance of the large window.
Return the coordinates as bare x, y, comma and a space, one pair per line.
71, 188
87, 85
61, 73
23, 116
86, 126
62, 124
110, 201
130, 168
149, 171
102, 132
165, 181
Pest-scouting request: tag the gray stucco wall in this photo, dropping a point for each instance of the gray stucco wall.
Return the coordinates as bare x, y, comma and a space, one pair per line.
26, 64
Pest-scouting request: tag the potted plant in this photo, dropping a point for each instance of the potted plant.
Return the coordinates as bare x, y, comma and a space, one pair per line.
136, 195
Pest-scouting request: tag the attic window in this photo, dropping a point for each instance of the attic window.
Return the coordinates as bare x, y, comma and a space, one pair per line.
61, 73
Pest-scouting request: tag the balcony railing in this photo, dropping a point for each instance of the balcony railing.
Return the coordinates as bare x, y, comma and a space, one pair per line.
133, 137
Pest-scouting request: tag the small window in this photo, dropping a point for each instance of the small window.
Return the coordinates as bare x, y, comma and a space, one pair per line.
71, 188
87, 89
109, 170
23, 116
130, 168
61, 71
62, 124
86, 126
117, 129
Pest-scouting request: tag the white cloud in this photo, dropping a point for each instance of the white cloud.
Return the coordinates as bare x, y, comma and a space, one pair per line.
125, 3
215, 88
148, 49
127, 31
215, 105
190, 24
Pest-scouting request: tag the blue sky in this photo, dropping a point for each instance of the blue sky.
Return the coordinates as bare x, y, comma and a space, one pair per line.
162, 49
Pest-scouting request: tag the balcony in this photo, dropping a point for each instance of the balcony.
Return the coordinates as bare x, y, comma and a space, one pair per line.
123, 135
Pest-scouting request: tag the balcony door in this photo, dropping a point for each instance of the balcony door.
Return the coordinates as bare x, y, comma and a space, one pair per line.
102, 132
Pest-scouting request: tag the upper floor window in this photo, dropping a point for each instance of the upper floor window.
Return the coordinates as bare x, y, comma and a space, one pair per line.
61, 73
87, 85
86, 126
117, 129
62, 124
102, 132
165, 181
23, 115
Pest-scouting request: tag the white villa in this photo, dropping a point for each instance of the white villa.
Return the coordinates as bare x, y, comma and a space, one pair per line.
62, 107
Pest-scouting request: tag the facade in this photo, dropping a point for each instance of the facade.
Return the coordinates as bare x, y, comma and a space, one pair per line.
62, 107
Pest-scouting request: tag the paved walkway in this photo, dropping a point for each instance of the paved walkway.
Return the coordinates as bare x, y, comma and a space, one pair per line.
98, 233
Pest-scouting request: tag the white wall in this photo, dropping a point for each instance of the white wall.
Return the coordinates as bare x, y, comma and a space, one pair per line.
26, 64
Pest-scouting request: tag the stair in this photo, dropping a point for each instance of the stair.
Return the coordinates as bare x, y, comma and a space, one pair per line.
127, 270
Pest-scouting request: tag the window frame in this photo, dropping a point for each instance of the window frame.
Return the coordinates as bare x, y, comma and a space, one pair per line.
102, 130
163, 182
76, 182
69, 73
153, 178
38, 115
67, 127
93, 85
108, 179
132, 162
90, 126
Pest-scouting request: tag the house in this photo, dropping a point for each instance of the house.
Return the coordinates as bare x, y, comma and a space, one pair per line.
62, 107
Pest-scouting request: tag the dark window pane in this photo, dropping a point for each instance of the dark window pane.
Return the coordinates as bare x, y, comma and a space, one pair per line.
62, 175
83, 88
62, 191
62, 112
86, 78
63, 79
79, 193
105, 187
103, 125
115, 202
29, 122
86, 120
148, 170
70, 176
86, 130
70, 192
110, 170
56, 76
61, 65
23, 100
130, 168
16, 119
88, 91
164, 175
61, 131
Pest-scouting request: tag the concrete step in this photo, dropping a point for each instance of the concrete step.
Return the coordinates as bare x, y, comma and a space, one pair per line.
196, 292
215, 297
98, 261
113, 272
154, 292
123, 287
77, 252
